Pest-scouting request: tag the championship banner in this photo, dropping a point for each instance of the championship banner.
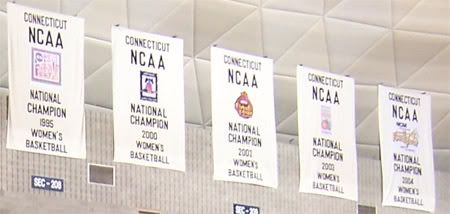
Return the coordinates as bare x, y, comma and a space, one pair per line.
243, 121
46, 82
326, 129
148, 85
406, 148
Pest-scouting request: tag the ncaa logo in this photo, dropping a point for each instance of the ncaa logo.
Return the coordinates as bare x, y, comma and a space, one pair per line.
149, 86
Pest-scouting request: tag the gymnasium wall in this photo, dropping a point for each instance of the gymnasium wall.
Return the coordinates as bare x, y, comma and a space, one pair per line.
193, 192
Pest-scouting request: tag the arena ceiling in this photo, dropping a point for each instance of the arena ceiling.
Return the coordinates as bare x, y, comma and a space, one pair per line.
400, 43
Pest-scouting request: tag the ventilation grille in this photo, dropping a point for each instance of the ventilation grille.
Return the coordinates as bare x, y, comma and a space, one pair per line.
101, 174
362, 209
148, 212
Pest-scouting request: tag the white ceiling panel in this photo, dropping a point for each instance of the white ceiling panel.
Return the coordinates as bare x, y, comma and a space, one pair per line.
285, 98
244, 37
441, 133
251, 2
226, 14
304, 6
4, 80
310, 50
3, 45
140, 17
179, 23
203, 72
348, 40
367, 129
441, 160
186, 60
3, 5
282, 29
205, 53
440, 107
431, 16
402, 43
73, 7
364, 11
330, 4
367, 97
100, 15
414, 50
376, 65
193, 113
400, 8
436, 71
287, 138
289, 125
98, 87
50, 5
96, 54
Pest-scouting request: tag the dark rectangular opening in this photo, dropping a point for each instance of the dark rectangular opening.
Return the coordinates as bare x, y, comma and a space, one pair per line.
363, 209
148, 212
101, 174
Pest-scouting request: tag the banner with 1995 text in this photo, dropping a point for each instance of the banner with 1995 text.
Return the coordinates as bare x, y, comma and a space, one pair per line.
148, 99
46, 82
406, 148
326, 126
243, 121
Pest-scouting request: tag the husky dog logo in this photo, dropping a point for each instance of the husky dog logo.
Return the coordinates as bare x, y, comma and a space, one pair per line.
149, 86
243, 106
46, 66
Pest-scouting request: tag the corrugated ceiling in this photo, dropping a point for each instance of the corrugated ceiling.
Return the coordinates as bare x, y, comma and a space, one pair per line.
401, 43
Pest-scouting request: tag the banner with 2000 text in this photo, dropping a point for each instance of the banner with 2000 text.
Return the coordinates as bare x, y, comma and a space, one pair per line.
148, 99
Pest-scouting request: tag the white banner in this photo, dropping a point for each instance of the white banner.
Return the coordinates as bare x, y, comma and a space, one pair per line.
46, 82
406, 148
326, 129
148, 99
243, 121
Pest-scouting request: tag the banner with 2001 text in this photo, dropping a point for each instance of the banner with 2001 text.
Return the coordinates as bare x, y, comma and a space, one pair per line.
243, 121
